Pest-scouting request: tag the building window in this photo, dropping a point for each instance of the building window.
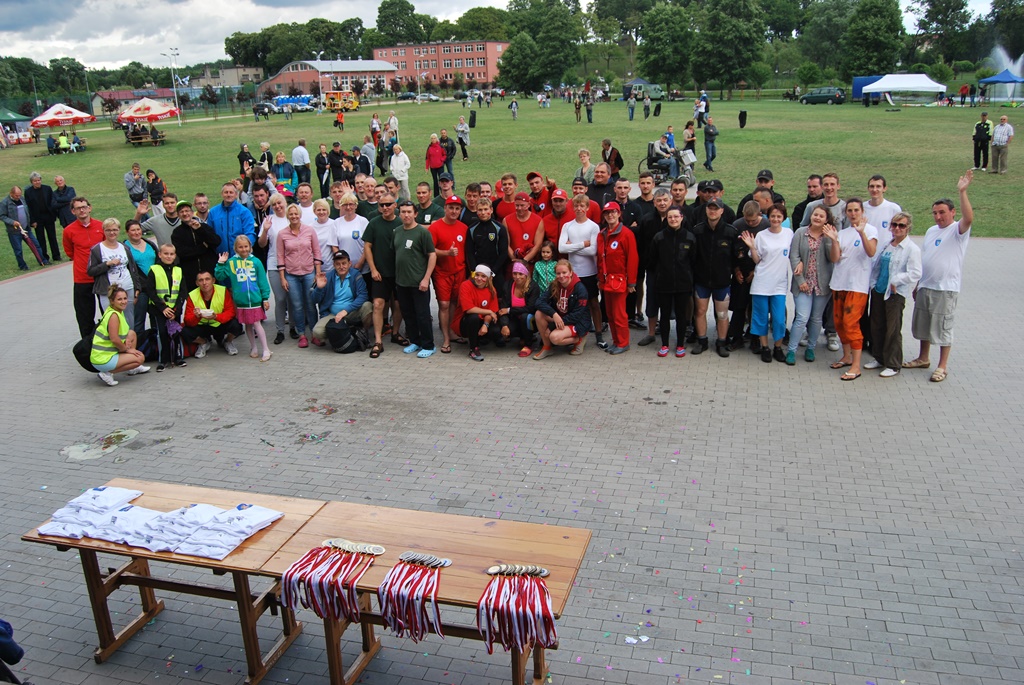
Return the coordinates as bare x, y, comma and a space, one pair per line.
416, 64
403, 66
480, 62
433, 64
480, 47
402, 52
458, 64
415, 51
447, 64
458, 48
394, 53
382, 53
446, 49
499, 48
470, 62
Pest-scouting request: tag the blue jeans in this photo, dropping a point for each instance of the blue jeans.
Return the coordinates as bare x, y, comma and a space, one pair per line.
448, 168
671, 164
763, 306
16, 238
630, 113
709, 153
299, 305
808, 308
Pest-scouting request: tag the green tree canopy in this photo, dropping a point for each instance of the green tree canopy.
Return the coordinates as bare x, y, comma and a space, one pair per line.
731, 36
666, 42
821, 36
483, 23
516, 69
873, 39
1008, 20
398, 22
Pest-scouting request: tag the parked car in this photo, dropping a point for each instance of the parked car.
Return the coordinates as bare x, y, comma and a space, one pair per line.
267, 107
301, 107
427, 97
407, 96
827, 95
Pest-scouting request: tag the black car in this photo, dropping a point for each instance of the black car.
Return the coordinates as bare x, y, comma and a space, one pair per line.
406, 96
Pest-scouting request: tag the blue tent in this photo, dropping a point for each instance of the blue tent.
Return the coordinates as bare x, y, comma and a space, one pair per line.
1005, 76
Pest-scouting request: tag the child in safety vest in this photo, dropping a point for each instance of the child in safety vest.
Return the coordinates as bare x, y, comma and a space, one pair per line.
250, 290
166, 296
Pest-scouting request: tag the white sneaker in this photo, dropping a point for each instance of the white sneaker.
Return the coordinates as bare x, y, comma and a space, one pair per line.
873, 364
889, 373
833, 342
141, 368
201, 350
984, 169
107, 378
803, 341
229, 347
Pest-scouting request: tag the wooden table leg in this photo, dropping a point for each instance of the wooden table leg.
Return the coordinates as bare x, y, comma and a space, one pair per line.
518, 667
540, 666
100, 587
249, 611
97, 597
333, 630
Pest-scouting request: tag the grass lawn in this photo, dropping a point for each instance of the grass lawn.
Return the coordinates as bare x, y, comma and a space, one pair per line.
921, 151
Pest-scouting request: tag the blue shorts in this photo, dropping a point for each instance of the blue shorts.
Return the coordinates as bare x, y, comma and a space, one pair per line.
109, 366
703, 293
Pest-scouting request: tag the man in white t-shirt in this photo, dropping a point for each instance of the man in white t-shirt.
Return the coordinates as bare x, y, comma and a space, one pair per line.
878, 211
942, 266
579, 244
348, 235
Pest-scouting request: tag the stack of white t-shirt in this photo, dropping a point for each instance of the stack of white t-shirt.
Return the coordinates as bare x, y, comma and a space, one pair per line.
122, 524
104, 498
227, 530
72, 522
168, 530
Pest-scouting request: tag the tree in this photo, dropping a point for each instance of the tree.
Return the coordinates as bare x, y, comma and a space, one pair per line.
396, 86
373, 39
483, 23
211, 97
942, 23
378, 86
666, 41
8, 80
294, 90
397, 21
819, 40
1007, 17
428, 84
940, 73
444, 32
873, 39
808, 74
27, 110
458, 80
628, 14
517, 63
731, 35
111, 106
67, 71
359, 87
782, 17
557, 45
758, 74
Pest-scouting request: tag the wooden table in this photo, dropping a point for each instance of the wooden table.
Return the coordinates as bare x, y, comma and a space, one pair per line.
247, 560
473, 544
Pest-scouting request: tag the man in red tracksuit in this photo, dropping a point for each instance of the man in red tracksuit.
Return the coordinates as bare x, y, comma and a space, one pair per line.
617, 262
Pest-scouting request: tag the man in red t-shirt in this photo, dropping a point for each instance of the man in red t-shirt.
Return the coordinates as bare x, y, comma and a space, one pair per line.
525, 231
506, 204
558, 216
449, 236
540, 192
80, 236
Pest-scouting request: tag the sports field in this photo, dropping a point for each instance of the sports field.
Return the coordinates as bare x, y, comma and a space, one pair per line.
921, 151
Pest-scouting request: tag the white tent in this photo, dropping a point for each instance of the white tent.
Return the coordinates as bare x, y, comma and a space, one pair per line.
915, 83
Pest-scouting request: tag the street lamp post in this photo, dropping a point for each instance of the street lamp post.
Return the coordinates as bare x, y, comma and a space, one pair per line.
319, 84
172, 57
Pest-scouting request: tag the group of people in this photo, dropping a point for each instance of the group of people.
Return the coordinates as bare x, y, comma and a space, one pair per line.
988, 134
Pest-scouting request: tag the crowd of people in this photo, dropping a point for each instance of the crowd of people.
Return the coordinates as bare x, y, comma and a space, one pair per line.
537, 268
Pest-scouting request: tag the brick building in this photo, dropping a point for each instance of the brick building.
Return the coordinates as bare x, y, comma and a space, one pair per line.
331, 74
475, 59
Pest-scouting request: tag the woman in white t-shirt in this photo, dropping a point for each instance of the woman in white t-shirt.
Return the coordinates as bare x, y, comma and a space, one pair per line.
271, 226
110, 263
770, 252
851, 282
348, 236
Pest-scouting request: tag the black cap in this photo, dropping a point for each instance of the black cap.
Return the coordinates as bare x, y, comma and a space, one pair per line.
765, 174
445, 177
715, 202
579, 180
703, 186
716, 185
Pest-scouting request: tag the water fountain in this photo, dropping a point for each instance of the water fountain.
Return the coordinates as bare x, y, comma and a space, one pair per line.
1001, 60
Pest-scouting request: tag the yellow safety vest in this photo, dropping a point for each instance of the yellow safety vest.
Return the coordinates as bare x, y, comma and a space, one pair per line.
216, 303
167, 292
103, 349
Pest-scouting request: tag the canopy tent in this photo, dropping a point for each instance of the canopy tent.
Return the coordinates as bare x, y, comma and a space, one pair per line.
9, 117
146, 110
61, 115
914, 83
1005, 76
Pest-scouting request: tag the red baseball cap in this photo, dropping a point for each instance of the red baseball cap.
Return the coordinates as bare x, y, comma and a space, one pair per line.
453, 200
522, 196
559, 193
611, 207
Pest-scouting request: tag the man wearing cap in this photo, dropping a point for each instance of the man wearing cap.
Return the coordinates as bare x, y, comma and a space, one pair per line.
379, 249
602, 189
715, 249
161, 226
446, 186
300, 160
616, 273
415, 259
361, 162
195, 242
982, 137
710, 149
611, 157
341, 297
334, 159
557, 217
707, 190
765, 179
540, 192
664, 158
525, 230
753, 221
449, 236
487, 242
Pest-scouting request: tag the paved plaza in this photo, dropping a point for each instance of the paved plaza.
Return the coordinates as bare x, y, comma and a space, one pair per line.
753, 524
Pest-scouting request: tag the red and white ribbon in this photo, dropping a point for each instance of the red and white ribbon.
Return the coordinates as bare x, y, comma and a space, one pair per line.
325, 580
403, 596
515, 610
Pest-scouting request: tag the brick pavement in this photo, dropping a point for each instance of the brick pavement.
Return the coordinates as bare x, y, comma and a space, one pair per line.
758, 523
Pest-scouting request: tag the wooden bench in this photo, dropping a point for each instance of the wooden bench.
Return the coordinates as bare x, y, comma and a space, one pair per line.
146, 139
472, 543
246, 561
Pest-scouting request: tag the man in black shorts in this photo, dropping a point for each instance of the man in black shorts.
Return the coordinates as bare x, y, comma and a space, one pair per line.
379, 242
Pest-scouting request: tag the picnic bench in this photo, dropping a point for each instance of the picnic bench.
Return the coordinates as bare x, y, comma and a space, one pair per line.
138, 139
472, 543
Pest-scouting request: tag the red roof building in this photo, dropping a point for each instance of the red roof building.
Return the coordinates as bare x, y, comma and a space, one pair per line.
475, 59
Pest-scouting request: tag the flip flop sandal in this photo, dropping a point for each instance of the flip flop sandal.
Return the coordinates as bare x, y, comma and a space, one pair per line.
376, 350
400, 339
446, 349
526, 351
839, 365
917, 364
938, 375
849, 376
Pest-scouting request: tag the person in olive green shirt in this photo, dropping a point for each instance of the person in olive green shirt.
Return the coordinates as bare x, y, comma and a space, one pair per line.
414, 263
379, 250
426, 210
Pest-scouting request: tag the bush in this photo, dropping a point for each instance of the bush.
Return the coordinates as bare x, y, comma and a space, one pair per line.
984, 72
940, 73
808, 74
919, 68
962, 67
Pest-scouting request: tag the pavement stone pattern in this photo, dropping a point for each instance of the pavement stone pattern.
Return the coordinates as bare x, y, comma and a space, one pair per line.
757, 524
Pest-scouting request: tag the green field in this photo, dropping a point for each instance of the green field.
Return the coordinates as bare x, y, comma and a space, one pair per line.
921, 151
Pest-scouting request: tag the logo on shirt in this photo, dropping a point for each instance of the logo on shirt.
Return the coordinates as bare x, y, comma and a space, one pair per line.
355, 235
492, 237
458, 238
785, 253
856, 243
614, 245
483, 303
526, 236
408, 244
426, 217
937, 242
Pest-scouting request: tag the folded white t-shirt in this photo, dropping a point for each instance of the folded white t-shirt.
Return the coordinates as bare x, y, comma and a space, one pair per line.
104, 498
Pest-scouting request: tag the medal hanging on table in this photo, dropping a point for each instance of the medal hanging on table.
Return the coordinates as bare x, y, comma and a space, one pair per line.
515, 609
404, 592
325, 579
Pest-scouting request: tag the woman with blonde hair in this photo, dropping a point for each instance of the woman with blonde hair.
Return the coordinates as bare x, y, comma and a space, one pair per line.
586, 169
114, 342
477, 313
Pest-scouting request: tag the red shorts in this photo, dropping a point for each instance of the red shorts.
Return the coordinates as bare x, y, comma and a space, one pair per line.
446, 285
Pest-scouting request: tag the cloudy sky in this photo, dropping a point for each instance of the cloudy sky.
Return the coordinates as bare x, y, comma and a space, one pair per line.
111, 33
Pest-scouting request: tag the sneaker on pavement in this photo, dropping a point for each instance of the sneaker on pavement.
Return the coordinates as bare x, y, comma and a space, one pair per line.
303, 342
779, 354
619, 350
107, 378
722, 348
871, 364
600, 343
646, 340
543, 353
141, 368
202, 349
279, 338
293, 333
475, 355
809, 354
229, 347
680, 352
766, 354
833, 342
791, 358
889, 373
577, 349
663, 352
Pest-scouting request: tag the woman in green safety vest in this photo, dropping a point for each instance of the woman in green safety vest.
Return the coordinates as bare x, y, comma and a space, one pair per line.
113, 343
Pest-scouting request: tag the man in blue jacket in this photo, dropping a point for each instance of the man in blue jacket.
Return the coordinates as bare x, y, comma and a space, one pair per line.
342, 299
231, 219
